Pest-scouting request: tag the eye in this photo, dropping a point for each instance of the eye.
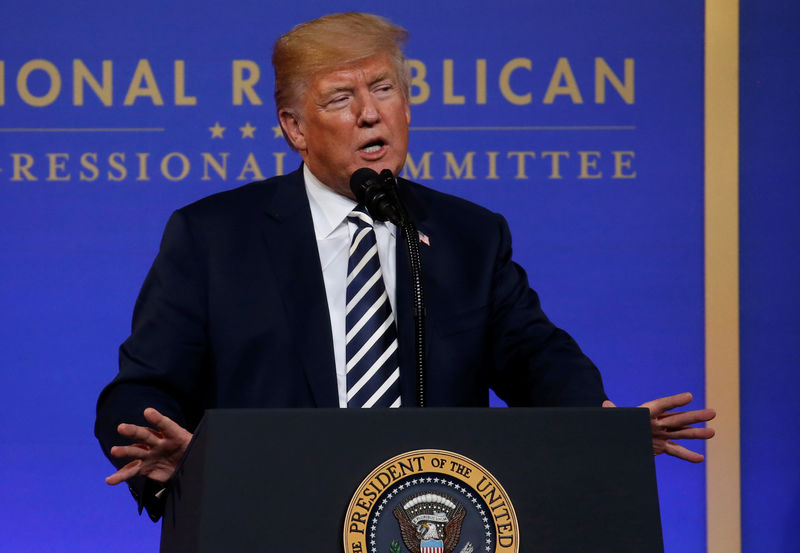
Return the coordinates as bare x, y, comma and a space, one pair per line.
383, 88
338, 100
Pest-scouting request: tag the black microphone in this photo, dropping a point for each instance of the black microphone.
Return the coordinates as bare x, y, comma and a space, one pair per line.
378, 193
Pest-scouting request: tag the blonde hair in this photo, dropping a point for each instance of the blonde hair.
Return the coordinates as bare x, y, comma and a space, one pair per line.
330, 41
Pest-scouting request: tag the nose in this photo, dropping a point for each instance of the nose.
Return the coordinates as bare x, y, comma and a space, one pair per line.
368, 113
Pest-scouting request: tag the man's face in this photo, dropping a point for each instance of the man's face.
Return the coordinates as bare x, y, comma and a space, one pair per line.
351, 117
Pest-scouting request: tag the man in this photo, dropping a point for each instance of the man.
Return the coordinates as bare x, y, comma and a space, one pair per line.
250, 300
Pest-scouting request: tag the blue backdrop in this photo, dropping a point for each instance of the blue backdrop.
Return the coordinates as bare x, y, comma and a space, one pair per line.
770, 274
582, 122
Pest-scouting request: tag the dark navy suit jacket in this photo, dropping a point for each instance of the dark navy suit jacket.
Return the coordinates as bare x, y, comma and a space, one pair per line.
233, 313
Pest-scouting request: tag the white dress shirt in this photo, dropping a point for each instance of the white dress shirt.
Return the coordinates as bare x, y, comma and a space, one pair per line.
334, 233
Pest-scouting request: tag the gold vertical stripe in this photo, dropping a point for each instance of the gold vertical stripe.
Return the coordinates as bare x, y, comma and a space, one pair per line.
723, 495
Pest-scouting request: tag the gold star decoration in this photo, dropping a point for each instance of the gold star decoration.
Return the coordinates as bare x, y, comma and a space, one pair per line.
278, 132
216, 130
248, 130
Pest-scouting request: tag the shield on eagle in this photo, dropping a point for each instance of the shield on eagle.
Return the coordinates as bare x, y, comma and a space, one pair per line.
431, 546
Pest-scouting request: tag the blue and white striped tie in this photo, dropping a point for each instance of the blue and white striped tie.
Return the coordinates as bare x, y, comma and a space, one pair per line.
373, 375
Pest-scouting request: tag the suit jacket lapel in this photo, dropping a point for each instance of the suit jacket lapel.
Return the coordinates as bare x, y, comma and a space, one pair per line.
288, 232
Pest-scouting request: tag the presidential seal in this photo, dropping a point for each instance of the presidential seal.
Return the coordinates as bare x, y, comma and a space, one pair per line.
430, 501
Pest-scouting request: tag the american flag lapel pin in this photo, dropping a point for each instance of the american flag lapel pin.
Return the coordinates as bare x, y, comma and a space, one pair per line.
424, 238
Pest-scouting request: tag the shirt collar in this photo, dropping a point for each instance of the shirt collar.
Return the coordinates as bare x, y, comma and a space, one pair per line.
328, 208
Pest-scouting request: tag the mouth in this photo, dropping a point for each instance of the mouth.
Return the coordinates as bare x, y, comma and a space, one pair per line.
373, 149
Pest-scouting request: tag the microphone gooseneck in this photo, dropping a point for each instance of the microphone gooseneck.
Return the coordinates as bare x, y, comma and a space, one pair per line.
378, 193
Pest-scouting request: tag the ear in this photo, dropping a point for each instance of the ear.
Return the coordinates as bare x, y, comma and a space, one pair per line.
292, 129
408, 113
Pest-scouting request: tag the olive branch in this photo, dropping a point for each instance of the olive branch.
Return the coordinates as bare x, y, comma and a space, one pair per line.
395, 547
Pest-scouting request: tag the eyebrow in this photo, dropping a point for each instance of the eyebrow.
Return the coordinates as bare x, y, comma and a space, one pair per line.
381, 77
327, 93
335, 89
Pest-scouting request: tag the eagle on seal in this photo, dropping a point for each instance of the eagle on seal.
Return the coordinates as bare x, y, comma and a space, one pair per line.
432, 519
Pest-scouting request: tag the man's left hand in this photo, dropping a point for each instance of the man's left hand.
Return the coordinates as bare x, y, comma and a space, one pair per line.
668, 426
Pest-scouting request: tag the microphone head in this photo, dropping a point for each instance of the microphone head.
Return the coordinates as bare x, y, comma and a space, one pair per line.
388, 177
378, 193
360, 180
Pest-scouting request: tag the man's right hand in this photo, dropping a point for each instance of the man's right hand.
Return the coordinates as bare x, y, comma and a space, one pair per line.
156, 451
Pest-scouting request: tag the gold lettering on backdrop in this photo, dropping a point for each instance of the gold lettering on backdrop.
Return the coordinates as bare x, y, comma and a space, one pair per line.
52, 92
143, 75
418, 72
465, 168
143, 83
534, 166
142, 176
22, 164
117, 161
279, 162
449, 97
555, 165
98, 78
251, 168
243, 85
505, 81
603, 74
562, 82
623, 160
181, 99
492, 165
89, 162
413, 170
480, 81
82, 76
521, 162
220, 167
563, 72
57, 165
165, 163
587, 163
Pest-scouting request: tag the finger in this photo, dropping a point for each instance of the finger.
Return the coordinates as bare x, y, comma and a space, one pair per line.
689, 433
168, 427
677, 420
662, 404
140, 434
671, 448
128, 471
671, 413
133, 451
608, 403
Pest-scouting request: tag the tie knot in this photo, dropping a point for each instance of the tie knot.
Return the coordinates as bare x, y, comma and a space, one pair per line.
360, 216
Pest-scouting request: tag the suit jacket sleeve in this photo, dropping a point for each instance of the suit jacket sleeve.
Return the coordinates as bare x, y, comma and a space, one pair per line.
534, 363
160, 363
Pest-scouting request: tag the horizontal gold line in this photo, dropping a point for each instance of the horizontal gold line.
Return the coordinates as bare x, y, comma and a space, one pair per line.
453, 128
534, 128
117, 129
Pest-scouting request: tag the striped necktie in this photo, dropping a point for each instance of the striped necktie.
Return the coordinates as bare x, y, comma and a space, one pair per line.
373, 375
